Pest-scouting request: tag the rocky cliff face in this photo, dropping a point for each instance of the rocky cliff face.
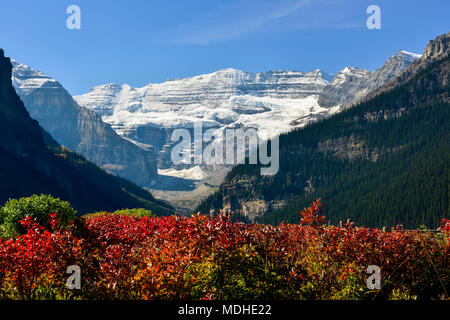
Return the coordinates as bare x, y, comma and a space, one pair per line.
81, 129
437, 48
223, 98
352, 85
347, 148
276, 101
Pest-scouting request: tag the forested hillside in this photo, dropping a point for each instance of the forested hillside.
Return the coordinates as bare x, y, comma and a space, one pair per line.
31, 162
382, 162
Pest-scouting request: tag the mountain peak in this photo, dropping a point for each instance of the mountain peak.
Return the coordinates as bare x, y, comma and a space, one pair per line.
31, 167
17, 130
229, 70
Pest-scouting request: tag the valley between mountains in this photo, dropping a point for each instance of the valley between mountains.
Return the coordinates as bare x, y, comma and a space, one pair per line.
127, 131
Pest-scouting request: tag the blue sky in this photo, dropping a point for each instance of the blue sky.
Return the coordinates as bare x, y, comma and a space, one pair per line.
143, 41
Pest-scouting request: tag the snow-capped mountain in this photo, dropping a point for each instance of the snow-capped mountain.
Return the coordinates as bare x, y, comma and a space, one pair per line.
351, 85
221, 98
276, 101
120, 127
81, 129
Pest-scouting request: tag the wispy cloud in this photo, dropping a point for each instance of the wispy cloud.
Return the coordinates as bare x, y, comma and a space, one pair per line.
233, 21
245, 17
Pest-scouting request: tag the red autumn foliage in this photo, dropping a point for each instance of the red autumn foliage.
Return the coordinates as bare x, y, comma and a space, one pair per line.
199, 257
32, 264
311, 216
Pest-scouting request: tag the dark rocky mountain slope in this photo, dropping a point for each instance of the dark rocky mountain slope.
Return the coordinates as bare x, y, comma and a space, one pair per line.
31, 161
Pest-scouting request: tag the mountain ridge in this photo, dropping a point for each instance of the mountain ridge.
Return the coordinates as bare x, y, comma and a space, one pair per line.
224, 98
145, 117
435, 49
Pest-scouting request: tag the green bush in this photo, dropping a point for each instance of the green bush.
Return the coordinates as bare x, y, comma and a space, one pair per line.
38, 207
137, 212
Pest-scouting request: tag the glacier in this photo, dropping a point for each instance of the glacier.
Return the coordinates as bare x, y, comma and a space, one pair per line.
274, 101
